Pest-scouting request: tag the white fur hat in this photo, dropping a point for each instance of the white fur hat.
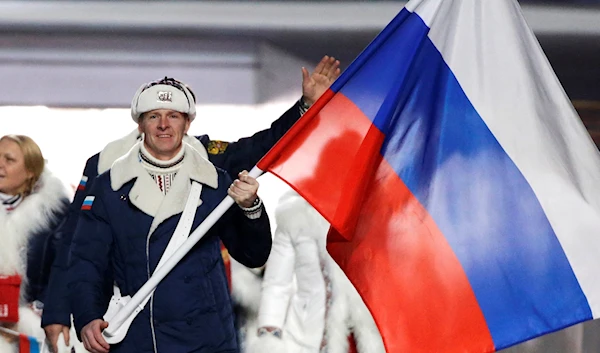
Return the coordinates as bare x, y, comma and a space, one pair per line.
167, 93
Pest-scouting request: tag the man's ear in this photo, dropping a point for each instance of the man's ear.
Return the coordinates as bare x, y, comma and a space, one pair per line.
188, 122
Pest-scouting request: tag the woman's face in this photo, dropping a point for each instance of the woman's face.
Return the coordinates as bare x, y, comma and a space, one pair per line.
13, 174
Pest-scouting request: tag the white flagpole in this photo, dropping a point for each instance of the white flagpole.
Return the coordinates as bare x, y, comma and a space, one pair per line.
9, 331
147, 289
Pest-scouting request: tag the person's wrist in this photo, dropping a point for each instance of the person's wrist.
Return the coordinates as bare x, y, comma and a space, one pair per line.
254, 211
306, 102
251, 206
303, 105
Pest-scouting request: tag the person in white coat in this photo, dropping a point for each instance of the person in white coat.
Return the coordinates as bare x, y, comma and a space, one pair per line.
307, 303
33, 203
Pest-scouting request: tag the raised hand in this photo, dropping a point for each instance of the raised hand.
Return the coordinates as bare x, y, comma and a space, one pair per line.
317, 82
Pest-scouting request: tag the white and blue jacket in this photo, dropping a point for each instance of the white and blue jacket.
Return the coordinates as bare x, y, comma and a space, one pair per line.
126, 225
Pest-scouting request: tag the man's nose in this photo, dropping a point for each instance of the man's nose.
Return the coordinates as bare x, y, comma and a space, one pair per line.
163, 122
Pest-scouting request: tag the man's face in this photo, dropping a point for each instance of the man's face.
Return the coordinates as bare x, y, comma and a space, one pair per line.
13, 174
164, 130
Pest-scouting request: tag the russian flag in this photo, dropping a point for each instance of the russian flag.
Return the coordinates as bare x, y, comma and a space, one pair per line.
82, 183
88, 202
28, 344
462, 188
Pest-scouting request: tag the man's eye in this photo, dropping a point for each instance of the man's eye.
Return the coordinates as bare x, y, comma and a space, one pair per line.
152, 117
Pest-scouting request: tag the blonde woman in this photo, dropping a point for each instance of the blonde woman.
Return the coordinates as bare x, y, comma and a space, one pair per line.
32, 205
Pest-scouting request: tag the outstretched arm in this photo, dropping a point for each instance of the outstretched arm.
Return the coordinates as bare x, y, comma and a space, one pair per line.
246, 152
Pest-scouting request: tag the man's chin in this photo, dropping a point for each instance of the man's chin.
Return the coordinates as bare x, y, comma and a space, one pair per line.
166, 144
167, 149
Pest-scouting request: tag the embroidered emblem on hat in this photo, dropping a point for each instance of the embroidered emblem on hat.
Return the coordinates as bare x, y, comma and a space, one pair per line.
87, 203
165, 96
217, 147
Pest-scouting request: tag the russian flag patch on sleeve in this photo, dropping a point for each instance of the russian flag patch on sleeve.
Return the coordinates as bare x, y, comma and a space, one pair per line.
82, 183
87, 203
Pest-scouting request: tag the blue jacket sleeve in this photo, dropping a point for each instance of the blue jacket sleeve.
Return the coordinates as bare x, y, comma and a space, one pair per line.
56, 306
90, 252
234, 157
247, 240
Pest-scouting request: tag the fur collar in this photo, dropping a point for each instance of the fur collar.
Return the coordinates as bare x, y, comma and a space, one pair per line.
297, 217
120, 147
34, 214
146, 195
245, 287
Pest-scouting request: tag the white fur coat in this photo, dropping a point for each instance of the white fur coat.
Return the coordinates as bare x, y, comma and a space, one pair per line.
35, 214
298, 304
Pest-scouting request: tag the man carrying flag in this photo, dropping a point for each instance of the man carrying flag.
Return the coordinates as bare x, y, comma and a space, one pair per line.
230, 156
137, 210
461, 186
233, 157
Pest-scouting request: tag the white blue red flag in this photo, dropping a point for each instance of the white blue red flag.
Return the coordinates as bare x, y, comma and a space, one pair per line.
462, 188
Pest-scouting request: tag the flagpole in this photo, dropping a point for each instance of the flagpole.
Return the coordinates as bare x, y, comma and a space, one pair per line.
148, 288
9, 331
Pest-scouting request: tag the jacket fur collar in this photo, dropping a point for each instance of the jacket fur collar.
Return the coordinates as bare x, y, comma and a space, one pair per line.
35, 214
146, 195
120, 147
